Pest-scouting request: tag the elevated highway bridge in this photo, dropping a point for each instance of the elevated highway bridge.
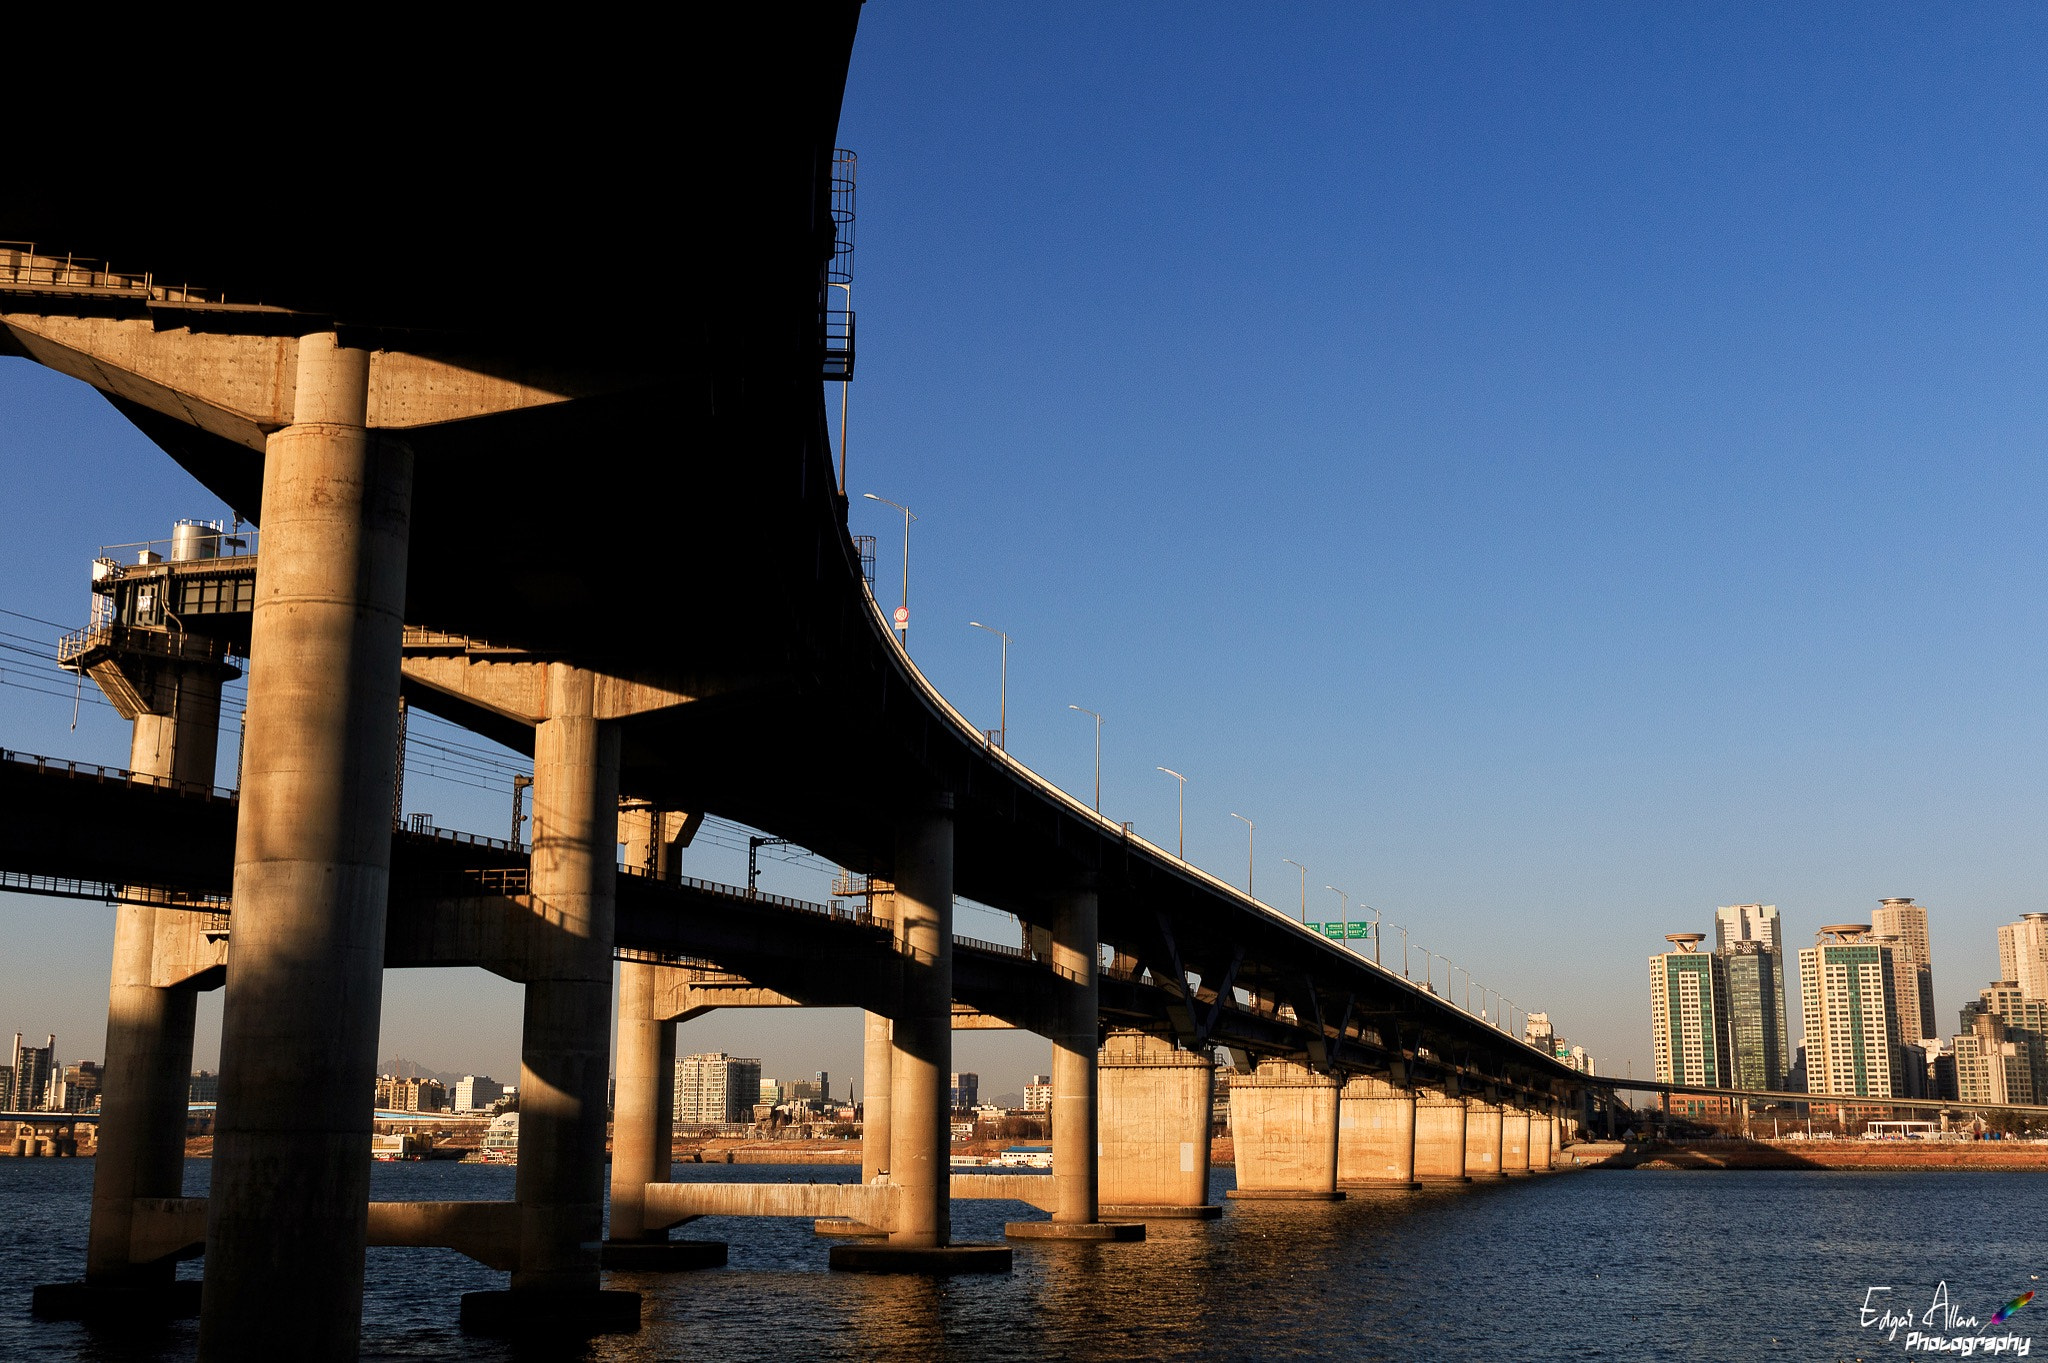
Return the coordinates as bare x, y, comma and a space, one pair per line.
484, 409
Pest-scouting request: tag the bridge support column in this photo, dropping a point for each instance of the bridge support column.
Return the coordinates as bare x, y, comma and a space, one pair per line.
288, 1210
1376, 1135
566, 1040
1514, 1141
1076, 1093
146, 1082
1440, 1138
1283, 1129
878, 1069
1154, 1130
921, 1061
1542, 1142
1483, 1133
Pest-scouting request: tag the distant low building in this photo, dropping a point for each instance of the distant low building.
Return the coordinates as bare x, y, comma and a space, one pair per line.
204, 1087
76, 1088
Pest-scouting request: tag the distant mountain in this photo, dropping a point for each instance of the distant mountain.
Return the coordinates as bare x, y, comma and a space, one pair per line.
1008, 1100
413, 1069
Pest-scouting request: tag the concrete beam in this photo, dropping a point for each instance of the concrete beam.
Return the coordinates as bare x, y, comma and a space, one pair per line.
1036, 1189
871, 1204
487, 1232
164, 1228
245, 388
501, 684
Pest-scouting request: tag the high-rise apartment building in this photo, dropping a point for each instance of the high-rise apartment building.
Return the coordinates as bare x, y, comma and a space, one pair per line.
2026, 1025
1537, 1031
76, 1088
1756, 1015
475, 1092
966, 1091
1848, 984
1913, 956
33, 1068
2023, 954
1689, 1013
1760, 923
1992, 1066
716, 1088
1038, 1094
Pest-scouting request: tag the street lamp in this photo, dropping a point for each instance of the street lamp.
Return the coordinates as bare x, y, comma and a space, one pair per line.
1375, 931
1468, 986
1003, 714
902, 615
1304, 885
1098, 753
1404, 951
1251, 851
1183, 818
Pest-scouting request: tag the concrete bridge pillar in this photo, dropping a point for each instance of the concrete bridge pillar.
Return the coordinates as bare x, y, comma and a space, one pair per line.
920, 1066
643, 1117
1440, 1138
877, 1069
1376, 1135
565, 1045
1154, 1130
1514, 1140
289, 1205
1076, 1090
145, 1083
1483, 1132
1283, 1129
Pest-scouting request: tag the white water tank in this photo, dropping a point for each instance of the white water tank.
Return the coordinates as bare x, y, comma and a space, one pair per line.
195, 540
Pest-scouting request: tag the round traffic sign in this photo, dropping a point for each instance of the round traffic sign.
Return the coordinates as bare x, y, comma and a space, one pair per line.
902, 616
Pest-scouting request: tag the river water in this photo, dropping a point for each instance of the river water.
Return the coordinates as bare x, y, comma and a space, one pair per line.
1591, 1265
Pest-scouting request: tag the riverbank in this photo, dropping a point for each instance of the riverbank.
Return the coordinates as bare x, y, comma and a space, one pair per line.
1885, 1156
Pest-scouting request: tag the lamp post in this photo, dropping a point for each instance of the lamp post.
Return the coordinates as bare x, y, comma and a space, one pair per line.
1003, 712
903, 619
1468, 986
1404, 951
1304, 885
1098, 753
1251, 852
1343, 912
1376, 925
1182, 819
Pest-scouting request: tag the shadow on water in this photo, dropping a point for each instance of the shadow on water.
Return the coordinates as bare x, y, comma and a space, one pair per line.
1598, 1265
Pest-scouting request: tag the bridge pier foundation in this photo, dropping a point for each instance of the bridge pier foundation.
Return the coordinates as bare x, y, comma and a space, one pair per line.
920, 1068
1514, 1141
1542, 1142
1440, 1138
1153, 1130
565, 1046
1376, 1135
1076, 1091
1283, 1130
289, 1205
1483, 1136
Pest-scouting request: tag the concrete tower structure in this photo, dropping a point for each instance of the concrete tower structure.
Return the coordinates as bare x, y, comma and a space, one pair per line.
1847, 983
1689, 1013
1907, 922
2023, 954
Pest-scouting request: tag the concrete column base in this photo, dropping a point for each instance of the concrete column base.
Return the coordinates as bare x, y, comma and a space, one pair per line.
671, 1256
536, 1312
1444, 1180
1074, 1230
843, 1226
1283, 1195
1135, 1212
1398, 1185
935, 1260
175, 1300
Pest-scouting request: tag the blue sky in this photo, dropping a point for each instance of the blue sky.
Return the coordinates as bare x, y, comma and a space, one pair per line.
1557, 468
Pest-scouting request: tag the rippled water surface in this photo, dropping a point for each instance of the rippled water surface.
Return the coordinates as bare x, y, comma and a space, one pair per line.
1593, 1265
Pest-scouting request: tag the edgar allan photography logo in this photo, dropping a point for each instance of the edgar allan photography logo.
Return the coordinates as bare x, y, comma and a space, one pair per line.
1944, 1328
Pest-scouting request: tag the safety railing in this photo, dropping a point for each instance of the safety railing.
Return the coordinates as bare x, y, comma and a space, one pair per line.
22, 268
88, 771
164, 643
215, 906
